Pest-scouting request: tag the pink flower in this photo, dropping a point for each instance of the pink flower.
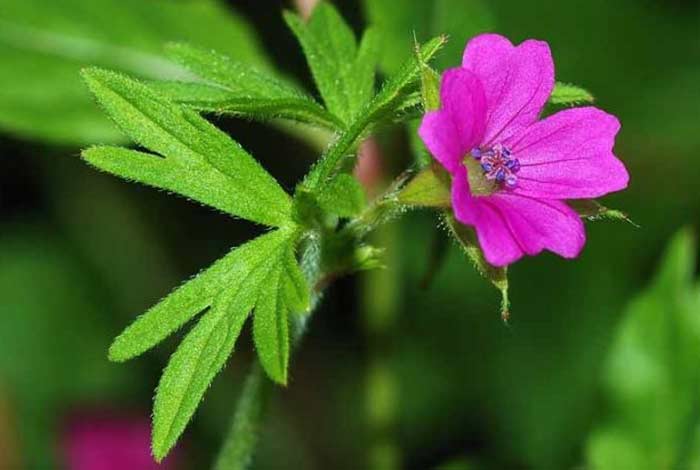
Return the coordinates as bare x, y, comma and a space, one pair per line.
512, 172
101, 441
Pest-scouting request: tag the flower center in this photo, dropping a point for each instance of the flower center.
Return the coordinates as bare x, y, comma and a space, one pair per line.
491, 168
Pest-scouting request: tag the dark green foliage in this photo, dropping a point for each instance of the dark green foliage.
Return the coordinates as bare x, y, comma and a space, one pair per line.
651, 379
44, 44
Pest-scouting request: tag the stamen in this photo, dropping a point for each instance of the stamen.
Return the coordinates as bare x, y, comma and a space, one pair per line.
498, 164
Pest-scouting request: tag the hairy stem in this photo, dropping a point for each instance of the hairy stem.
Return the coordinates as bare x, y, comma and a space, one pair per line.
380, 309
239, 445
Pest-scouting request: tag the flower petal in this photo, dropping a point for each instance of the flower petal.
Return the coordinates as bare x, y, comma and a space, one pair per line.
458, 126
569, 156
509, 226
538, 224
517, 81
495, 239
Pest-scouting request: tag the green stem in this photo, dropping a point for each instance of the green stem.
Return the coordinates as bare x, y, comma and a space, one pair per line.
382, 105
240, 442
239, 445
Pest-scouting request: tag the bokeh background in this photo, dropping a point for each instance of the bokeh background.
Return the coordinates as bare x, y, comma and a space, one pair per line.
599, 367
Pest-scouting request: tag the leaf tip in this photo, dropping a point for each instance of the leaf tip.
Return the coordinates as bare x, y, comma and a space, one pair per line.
158, 452
94, 74
290, 17
116, 352
88, 153
283, 379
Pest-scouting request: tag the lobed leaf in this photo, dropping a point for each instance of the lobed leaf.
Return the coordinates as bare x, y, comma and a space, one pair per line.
285, 292
222, 174
296, 288
565, 94
206, 348
192, 297
239, 89
382, 105
343, 73
271, 329
365, 66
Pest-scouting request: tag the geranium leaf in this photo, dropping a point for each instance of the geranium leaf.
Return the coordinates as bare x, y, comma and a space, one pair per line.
221, 173
271, 329
284, 292
236, 88
192, 297
296, 288
365, 66
206, 348
381, 106
343, 73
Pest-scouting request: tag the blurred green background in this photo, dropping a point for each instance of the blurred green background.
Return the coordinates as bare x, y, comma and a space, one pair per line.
598, 368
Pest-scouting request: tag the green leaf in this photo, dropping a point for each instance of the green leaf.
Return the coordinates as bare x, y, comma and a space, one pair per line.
285, 292
206, 348
271, 329
430, 89
651, 379
192, 297
382, 105
590, 209
296, 288
239, 445
306, 210
239, 89
497, 276
365, 67
43, 46
410, 104
429, 188
344, 197
192, 368
565, 94
343, 73
221, 173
